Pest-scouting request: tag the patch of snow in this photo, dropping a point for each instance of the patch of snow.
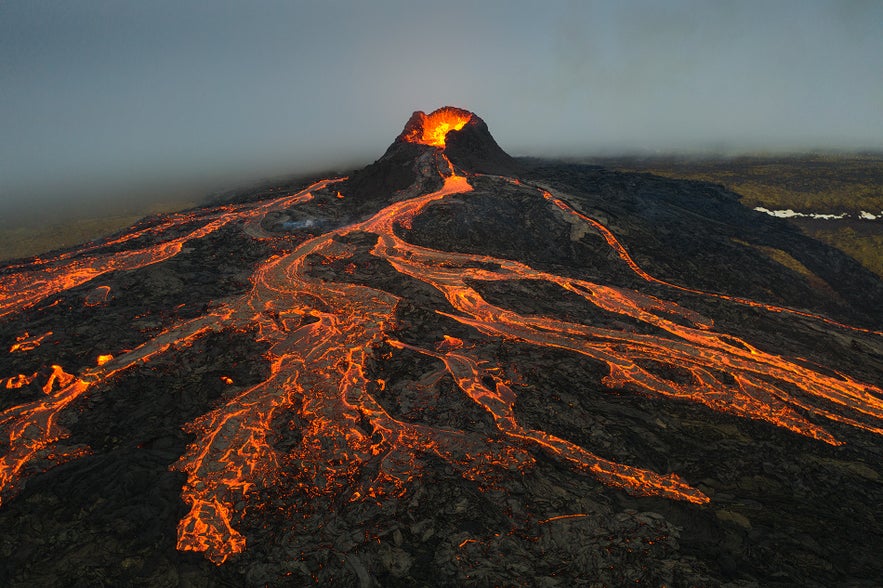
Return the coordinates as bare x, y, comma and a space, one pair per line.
788, 213
869, 216
778, 213
829, 216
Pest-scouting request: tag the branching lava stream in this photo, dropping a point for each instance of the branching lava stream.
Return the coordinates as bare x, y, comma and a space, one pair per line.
321, 334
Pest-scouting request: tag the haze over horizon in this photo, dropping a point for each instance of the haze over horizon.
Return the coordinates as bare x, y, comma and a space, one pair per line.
129, 101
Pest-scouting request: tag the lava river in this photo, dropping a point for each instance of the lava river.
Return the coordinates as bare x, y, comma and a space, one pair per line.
321, 334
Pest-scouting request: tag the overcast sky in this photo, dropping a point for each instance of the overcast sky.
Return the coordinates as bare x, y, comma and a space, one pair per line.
125, 97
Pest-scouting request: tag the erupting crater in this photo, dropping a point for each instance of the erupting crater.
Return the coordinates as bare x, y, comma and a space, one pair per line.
431, 129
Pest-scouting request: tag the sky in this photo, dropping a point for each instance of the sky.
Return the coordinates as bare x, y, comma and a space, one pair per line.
119, 101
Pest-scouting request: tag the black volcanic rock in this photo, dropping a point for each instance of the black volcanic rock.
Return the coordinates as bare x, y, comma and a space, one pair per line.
474, 149
471, 149
698, 234
363, 426
396, 170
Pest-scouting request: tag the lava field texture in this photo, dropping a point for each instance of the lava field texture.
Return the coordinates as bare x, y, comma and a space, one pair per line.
450, 368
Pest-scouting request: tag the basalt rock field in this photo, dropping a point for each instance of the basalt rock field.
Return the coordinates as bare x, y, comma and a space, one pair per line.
452, 367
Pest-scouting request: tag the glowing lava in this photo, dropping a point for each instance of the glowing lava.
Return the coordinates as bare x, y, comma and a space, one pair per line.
25, 342
44, 277
322, 332
19, 381
431, 129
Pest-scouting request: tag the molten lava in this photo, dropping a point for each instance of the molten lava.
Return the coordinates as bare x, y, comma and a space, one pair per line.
57, 379
431, 129
323, 332
25, 342
20, 381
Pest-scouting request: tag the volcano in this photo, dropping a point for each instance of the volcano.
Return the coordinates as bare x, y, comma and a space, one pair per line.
452, 367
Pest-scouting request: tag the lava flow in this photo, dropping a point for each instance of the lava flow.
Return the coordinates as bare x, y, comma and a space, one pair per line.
25, 342
22, 289
322, 332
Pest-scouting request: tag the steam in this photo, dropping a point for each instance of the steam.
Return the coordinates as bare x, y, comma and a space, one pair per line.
300, 224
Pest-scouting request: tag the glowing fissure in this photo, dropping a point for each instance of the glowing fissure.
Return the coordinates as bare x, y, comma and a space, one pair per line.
321, 334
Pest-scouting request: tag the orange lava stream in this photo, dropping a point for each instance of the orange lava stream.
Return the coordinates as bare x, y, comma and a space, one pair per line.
319, 365
500, 403
22, 290
29, 432
321, 334
695, 348
44, 278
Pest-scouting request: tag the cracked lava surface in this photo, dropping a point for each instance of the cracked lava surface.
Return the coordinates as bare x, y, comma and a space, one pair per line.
321, 332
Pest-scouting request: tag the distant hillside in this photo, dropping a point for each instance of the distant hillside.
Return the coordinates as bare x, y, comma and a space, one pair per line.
812, 183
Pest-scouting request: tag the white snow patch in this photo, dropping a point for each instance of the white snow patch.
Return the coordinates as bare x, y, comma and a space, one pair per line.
788, 213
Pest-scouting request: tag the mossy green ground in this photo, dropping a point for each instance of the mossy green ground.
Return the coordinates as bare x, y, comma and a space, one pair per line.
811, 183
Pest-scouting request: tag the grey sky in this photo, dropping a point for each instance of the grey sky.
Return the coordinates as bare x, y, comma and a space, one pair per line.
116, 98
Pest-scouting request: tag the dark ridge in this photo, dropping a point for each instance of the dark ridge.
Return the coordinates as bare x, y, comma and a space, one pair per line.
395, 171
474, 149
